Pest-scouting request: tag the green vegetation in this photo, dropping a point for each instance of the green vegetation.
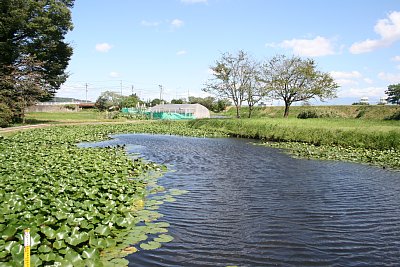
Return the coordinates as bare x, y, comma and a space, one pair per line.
370, 112
393, 93
370, 141
82, 205
65, 117
33, 51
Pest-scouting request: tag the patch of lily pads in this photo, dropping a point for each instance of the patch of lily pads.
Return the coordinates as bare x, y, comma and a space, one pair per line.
388, 158
83, 206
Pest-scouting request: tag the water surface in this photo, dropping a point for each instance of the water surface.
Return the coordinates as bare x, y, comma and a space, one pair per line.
255, 206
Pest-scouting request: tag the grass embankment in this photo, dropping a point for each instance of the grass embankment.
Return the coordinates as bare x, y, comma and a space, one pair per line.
82, 206
67, 117
375, 112
368, 141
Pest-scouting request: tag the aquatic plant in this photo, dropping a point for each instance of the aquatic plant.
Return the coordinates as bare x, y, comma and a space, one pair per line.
84, 207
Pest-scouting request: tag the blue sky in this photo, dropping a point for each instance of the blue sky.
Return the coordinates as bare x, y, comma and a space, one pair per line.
137, 45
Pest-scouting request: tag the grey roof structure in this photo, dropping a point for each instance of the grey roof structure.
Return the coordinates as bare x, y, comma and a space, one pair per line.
197, 110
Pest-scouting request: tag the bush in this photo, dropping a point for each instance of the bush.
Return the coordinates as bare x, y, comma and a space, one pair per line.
308, 114
394, 116
6, 115
70, 106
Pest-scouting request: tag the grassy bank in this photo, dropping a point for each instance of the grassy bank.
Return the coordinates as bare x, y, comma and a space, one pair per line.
368, 141
375, 112
66, 117
82, 206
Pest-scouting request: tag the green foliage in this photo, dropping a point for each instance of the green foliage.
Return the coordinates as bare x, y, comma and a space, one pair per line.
156, 101
37, 29
234, 77
82, 205
393, 93
177, 101
308, 114
70, 106
5, 115
356, 133
295, 79
375, 112
210, 102
130, 101
109, 101
394, 116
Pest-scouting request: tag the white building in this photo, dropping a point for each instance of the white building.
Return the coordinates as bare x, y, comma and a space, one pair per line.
197, 110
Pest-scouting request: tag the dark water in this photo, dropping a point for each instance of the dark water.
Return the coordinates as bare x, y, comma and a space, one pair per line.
254, 206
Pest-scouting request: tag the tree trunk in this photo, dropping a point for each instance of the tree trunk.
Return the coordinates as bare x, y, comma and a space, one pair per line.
237, 112
250, 111
286, 114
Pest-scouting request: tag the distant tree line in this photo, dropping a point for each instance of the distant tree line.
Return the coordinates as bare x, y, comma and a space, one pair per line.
109, 100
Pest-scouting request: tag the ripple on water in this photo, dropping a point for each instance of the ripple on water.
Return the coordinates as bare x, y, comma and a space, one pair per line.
254, 206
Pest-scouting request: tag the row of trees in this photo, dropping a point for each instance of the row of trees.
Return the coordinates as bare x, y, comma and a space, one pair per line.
33, 52
291, 79
113, 101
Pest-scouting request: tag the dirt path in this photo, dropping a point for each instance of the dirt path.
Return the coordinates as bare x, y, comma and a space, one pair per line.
42, 125
25, 127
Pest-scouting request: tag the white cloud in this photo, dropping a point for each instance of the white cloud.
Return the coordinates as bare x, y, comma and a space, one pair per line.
373, 92
368, 80
346, 78
114, 74
389, 31
396, 58
316, 47
194, 1
177, 23
149, 23
103, 47
181, 53
390, 77
345, 75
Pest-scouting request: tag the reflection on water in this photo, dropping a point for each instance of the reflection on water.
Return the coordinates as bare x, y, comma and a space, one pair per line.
254, 206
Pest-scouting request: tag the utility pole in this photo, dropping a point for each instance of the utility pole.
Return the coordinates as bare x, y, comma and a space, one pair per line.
132, 90
161, 91
121, 87
86, 91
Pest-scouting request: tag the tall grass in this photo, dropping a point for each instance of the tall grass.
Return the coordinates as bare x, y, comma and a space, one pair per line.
353, 133
378, 112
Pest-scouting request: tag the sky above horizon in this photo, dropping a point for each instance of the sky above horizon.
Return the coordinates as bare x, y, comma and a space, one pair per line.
136, 46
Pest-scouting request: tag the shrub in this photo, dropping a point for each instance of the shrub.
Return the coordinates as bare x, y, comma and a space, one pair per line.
6, 115
394, 116
70, 106
308, 114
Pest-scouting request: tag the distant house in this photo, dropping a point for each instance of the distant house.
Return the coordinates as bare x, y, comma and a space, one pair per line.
364, 100
383, 100
196, 110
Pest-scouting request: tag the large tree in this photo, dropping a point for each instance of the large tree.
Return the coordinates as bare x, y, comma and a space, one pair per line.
35, 29
233, 75
393, 93
294, 79
109, 100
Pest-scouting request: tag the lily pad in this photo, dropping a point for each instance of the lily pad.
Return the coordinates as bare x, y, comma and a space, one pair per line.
151, 245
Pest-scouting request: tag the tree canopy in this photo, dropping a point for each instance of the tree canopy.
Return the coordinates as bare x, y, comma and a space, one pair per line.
393, 93
34, 29
243, 79
233, 76
294, 79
